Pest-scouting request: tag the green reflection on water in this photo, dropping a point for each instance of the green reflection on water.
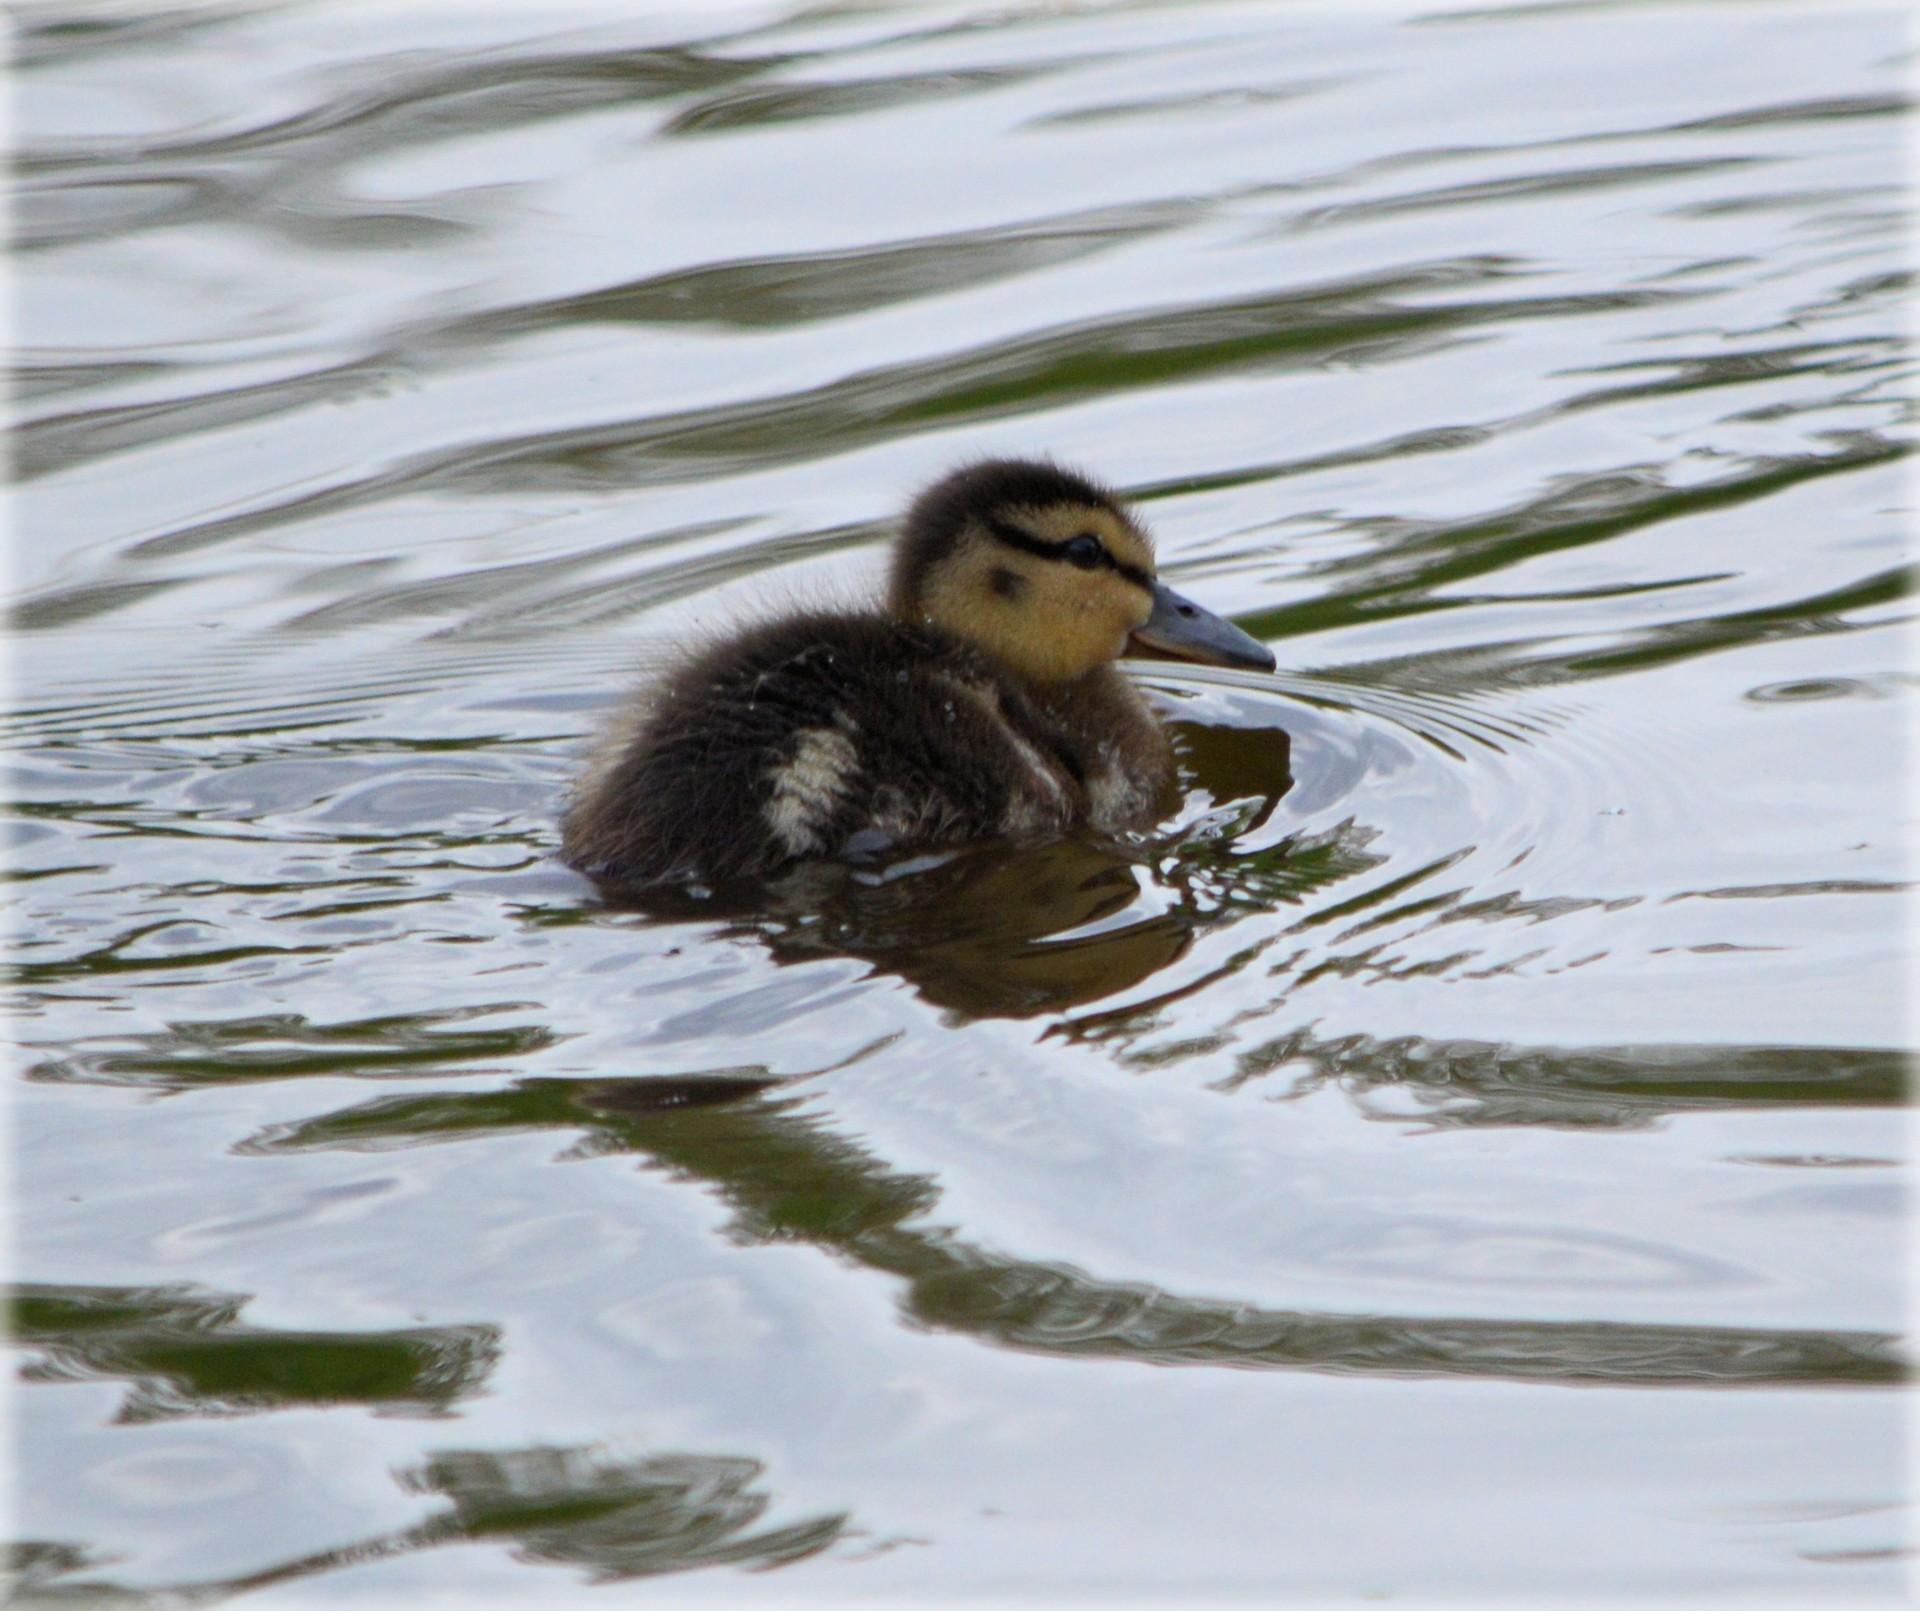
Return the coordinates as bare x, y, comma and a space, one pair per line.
608, 1517
1465, 1082
789, 1178
1520, 665
803, 287
1374, 317
752, 293
1403, 573
758, 104
278, 1046
187, 1353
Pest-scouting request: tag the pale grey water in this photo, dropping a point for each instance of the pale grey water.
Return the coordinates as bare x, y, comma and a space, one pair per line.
1477, 1166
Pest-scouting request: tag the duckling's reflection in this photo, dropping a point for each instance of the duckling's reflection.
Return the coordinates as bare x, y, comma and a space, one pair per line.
1010, 931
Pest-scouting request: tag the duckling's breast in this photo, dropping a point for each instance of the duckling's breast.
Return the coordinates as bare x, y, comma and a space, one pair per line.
1116, 747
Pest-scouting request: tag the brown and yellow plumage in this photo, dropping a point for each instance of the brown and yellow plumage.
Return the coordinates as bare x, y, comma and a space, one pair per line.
982, 701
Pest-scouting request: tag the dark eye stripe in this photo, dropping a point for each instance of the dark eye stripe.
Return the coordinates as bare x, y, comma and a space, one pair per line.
1005, 531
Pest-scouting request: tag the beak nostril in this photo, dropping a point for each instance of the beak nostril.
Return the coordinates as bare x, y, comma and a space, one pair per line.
1187, 610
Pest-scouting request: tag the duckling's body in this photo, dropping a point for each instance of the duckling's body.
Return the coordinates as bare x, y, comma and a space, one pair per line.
809, 735
983, 701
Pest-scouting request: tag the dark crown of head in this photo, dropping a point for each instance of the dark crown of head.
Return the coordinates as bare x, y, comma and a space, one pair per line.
975, 492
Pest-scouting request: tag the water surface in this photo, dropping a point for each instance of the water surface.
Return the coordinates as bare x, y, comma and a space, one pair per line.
1461, 1149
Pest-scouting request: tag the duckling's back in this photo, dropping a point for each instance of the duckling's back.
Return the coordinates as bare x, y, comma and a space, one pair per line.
812, 732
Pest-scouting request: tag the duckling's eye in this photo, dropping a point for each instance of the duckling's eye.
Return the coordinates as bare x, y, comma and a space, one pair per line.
1084, 551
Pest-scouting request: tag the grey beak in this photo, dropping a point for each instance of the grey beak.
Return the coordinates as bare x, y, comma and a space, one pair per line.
1181, 628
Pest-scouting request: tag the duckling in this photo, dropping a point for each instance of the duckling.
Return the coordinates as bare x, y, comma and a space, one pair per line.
981, 700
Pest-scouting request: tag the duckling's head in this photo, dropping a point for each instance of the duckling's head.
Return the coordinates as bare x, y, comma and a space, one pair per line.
1046, 571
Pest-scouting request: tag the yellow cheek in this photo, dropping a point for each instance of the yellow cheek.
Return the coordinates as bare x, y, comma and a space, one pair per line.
1125, 608
1060, 625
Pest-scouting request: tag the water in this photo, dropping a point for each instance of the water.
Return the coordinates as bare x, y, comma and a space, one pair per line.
1460, 1150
